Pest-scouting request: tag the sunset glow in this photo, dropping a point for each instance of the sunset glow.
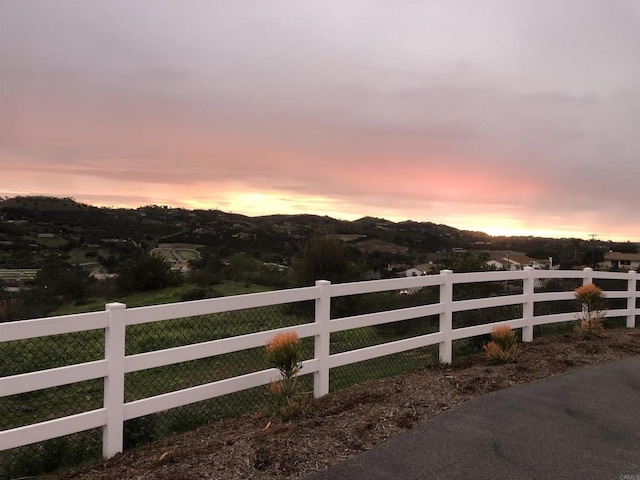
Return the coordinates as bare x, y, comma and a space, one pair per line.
498, 121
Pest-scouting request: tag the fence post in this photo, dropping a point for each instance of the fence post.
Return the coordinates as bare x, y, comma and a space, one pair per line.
588, 275
528, 289
446, 317
322, 341
631, 299
112, 435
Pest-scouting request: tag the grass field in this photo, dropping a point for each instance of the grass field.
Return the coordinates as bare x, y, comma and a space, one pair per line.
157, 297
54, 242
186, 254
84, 256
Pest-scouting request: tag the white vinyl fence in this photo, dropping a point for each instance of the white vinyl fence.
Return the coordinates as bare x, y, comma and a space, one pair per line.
116, 318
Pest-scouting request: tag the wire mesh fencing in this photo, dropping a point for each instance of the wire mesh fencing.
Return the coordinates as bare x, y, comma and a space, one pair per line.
42, 353
36, 354
29, 355
357, 338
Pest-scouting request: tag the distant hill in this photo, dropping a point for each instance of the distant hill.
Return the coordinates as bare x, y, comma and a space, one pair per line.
270, 238
43, 203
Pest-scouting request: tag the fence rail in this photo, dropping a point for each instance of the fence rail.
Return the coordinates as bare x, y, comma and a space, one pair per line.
116, 318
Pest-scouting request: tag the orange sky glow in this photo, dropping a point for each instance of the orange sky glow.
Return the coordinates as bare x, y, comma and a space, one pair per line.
499, 120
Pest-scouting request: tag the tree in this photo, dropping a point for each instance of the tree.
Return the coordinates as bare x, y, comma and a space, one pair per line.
592, 257
467, 261
63, 280
324, 257
145, 272
624, 247
541, 253
55, 283
470, 261
110, 263
207, 269
242, 267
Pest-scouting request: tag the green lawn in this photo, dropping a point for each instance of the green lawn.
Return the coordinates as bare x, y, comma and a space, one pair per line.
79, 255
187, 254
54, 242
158, 297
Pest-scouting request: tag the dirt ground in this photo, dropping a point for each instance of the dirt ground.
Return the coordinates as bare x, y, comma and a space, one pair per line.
349, 421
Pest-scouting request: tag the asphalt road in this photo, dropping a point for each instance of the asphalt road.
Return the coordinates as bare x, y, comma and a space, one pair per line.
583, 424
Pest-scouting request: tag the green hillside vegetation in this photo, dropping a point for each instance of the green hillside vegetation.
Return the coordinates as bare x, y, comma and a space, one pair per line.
43, 203
50, 242
43, 232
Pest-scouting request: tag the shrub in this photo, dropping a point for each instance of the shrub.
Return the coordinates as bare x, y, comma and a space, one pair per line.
503, 347
594, 310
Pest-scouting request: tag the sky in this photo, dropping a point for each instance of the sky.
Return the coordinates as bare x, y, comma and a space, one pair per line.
505, 116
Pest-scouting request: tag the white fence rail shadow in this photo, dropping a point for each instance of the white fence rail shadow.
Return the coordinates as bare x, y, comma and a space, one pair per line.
116, 318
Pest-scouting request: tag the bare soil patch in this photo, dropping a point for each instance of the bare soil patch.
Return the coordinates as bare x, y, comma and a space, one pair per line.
349, 421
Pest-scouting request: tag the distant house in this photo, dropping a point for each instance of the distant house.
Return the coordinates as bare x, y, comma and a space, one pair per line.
537, 263
99, 275
419, 270
276, 266
182, 267
413, 272
518, 262
501, 264
622, 261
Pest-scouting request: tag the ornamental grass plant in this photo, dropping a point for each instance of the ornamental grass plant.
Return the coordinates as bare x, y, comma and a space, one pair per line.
503, 347
284, 352
593, 301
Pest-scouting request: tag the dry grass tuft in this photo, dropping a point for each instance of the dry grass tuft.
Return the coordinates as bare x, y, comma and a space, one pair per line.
503, 347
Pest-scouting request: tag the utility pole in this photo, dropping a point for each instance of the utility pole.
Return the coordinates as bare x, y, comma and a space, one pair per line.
593, 241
